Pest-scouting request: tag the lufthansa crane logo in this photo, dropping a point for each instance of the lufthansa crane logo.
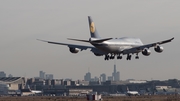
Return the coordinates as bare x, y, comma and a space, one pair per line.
92, 27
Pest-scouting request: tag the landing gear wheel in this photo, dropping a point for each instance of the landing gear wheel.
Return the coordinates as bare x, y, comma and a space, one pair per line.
106, 57
112, 56
128, 57
137, 57
119, 57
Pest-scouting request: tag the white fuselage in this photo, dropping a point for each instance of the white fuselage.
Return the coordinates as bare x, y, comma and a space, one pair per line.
132, 93
36, 91
117, 45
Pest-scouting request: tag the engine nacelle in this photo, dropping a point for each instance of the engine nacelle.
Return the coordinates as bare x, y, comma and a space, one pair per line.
98, 54
159, 49
73, 50
146, 52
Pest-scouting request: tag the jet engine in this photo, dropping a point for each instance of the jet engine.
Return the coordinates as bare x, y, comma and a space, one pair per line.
73, 50
158, 49
97, 54
146, 52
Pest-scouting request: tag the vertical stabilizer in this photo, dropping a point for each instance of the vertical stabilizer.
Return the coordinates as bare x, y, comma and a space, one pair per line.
127, 88
29, 88
92, 28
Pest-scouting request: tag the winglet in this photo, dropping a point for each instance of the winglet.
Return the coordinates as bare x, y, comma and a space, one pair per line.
41, 40
172, 38
162, 42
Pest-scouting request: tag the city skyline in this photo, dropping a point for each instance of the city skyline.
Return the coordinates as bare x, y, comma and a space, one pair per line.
24, 22
87, 76
102, 76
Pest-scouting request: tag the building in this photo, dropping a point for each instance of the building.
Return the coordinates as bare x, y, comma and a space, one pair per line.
137, 81
67, 91
96, 78
48, 82
67, 83
49, 76
2, 74
94, 96
79, 82
11, 85
10, 75
116, 75
42, 74
14, 83
56, 82
103, 77
3, 88
87, 77
110, 78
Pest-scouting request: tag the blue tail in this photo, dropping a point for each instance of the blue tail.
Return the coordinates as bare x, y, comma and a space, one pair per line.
92, 28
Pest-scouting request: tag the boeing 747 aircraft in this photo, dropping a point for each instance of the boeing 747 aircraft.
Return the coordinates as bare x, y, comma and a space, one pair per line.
111, 47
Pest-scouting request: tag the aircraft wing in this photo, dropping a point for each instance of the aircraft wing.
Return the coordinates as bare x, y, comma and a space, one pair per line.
140, 48
69, 45
81, 47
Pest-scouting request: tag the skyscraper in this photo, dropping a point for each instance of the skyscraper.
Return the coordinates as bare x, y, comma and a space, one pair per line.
42, 74
115, 75
87, 77
2, 74
103, 77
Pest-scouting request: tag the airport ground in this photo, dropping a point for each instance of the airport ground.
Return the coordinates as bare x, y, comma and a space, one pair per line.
122, 98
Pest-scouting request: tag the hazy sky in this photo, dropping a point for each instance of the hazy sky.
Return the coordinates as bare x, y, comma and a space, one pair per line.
22, 22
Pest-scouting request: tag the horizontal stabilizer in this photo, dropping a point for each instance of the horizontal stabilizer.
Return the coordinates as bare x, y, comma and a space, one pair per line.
78, 40
101, 40
91, 41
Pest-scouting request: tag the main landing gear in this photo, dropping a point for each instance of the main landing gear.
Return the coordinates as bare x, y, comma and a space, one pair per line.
119, 57
107, 57
112, 56
128, 57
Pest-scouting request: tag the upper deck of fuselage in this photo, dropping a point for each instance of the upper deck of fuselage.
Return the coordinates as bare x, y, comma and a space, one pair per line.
124, 41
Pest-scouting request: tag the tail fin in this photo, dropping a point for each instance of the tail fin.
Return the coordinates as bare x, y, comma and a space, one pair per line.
29, 88
92, 28
127, 88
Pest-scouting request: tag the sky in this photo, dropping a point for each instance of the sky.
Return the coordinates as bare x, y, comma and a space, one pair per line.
22, 22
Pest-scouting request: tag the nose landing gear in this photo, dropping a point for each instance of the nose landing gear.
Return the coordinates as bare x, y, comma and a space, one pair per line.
137, 57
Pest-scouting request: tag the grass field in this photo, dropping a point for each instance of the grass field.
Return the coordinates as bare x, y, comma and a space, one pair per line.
123, 98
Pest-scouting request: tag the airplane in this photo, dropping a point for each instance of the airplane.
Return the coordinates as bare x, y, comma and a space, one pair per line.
132, 93
111, 47
34, 91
